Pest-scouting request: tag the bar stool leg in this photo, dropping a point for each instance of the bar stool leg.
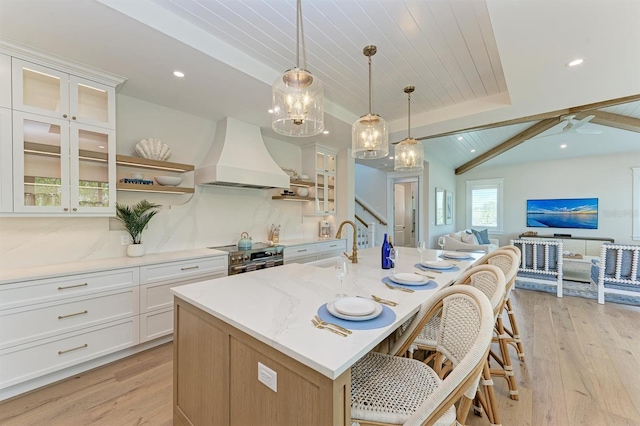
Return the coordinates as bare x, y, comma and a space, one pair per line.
504, 360
514, 332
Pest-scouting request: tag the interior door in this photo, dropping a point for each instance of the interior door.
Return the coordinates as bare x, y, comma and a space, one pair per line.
399, 216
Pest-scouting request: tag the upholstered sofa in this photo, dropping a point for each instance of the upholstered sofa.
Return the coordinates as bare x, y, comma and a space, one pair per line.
466, 241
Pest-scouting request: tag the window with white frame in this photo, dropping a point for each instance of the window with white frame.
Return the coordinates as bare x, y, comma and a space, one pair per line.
484, 204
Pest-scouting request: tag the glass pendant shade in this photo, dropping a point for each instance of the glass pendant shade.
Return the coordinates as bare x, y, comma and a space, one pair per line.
409, 155
369, 137
298, 104
369, 134
298, 96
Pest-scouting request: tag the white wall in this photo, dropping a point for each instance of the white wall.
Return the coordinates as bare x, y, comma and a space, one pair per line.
607, 178
440, 176
212, 216
371, 187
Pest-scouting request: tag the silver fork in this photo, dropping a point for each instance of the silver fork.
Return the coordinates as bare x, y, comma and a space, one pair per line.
325, 327
393, 287
323, 322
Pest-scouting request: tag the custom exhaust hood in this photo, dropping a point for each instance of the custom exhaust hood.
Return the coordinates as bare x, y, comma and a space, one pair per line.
239, 158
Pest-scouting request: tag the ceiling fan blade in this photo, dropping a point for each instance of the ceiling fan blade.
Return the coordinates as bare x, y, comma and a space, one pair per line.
546, 136
577, 124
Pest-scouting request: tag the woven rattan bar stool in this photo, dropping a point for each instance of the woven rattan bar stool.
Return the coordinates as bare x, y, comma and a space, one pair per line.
393, 390
508, 262
491, 281
513, 330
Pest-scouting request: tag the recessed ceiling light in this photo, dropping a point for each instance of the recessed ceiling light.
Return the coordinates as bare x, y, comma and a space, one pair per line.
326, 132
473, 150
101, 146
563, 146
270, 110
575, 62
178, 74
460, 138
391, 158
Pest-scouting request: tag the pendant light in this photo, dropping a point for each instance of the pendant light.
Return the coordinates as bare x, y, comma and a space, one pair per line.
298, 96
409, 153
369, 134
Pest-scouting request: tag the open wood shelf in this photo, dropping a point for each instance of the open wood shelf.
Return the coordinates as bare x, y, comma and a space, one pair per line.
292, 198
153, 188
302, 183
144, 163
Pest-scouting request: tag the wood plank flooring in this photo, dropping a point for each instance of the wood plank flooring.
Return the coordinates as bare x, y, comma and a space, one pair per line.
582, 367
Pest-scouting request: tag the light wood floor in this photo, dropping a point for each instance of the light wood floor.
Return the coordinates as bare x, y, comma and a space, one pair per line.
582, 367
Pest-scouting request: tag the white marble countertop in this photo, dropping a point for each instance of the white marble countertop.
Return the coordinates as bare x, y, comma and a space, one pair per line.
48, 271
302, 241
275, 306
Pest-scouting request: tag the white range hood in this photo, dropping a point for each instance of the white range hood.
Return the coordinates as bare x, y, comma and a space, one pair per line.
239, 158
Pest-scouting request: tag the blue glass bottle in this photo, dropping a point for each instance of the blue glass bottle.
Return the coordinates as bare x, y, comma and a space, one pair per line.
386, 263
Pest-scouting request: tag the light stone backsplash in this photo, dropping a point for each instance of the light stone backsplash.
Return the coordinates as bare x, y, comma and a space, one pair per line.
215, 216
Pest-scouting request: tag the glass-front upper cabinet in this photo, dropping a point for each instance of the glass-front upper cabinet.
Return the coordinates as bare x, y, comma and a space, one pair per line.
92, 175
52, 93
60, 168
5, 81
6, 161
326, 162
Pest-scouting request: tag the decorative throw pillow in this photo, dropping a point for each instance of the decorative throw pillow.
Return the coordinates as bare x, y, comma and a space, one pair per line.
482, 236
469, 239
455, 236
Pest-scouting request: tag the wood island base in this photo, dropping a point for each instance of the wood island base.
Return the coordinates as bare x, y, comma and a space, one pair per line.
215, 379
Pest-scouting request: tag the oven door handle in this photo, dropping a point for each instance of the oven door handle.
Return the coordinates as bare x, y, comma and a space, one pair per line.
259, 263
239, 268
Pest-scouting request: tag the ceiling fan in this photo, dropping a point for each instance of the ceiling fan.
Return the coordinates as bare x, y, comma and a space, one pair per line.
574, 126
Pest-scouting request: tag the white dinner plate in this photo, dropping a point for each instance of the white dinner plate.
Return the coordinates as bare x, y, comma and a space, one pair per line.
354, 306
408, 279
456, 255
438, 264
332, 310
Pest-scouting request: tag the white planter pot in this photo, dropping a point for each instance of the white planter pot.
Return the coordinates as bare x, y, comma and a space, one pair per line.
135, 250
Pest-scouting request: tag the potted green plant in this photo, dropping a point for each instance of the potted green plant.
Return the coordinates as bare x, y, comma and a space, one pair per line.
135, 219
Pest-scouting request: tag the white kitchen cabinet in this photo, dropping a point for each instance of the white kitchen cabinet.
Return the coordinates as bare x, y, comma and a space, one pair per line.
41, 357
5, 81
310, 252
57, 94
300, 254
331, 249
6, 161
156, 300
50, 324
60, 168
320, 161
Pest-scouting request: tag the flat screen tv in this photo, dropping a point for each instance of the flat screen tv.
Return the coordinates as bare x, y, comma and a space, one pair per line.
563, 213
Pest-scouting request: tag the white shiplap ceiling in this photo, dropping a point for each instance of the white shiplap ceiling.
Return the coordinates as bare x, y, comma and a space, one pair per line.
472, 61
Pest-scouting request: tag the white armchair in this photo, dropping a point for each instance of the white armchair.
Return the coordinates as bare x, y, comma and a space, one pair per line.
461, 241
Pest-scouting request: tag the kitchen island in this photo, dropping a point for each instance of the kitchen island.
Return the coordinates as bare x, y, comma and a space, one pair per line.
225, 329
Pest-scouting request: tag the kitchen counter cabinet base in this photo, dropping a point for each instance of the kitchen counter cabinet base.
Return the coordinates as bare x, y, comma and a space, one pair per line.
216, 379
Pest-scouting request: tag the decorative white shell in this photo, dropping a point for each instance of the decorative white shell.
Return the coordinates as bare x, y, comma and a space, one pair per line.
153, 149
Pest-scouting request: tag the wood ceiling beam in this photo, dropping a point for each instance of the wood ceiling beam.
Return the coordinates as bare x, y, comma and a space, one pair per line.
615, 120
543, 116
521, 137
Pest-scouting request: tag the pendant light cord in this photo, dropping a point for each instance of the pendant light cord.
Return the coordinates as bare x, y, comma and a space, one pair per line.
409, 116
300, 35
370, 86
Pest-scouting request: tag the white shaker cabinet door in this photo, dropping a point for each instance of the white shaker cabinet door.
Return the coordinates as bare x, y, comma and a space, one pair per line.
6, 161
5, 81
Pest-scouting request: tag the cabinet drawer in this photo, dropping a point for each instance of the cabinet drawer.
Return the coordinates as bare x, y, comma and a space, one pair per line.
299, 251
34, 322
156, 324
45, 290
25, 362
338, 245
176, 271
158, 296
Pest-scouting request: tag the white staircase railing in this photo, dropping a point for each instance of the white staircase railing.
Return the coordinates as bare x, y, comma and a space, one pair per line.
369, 224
